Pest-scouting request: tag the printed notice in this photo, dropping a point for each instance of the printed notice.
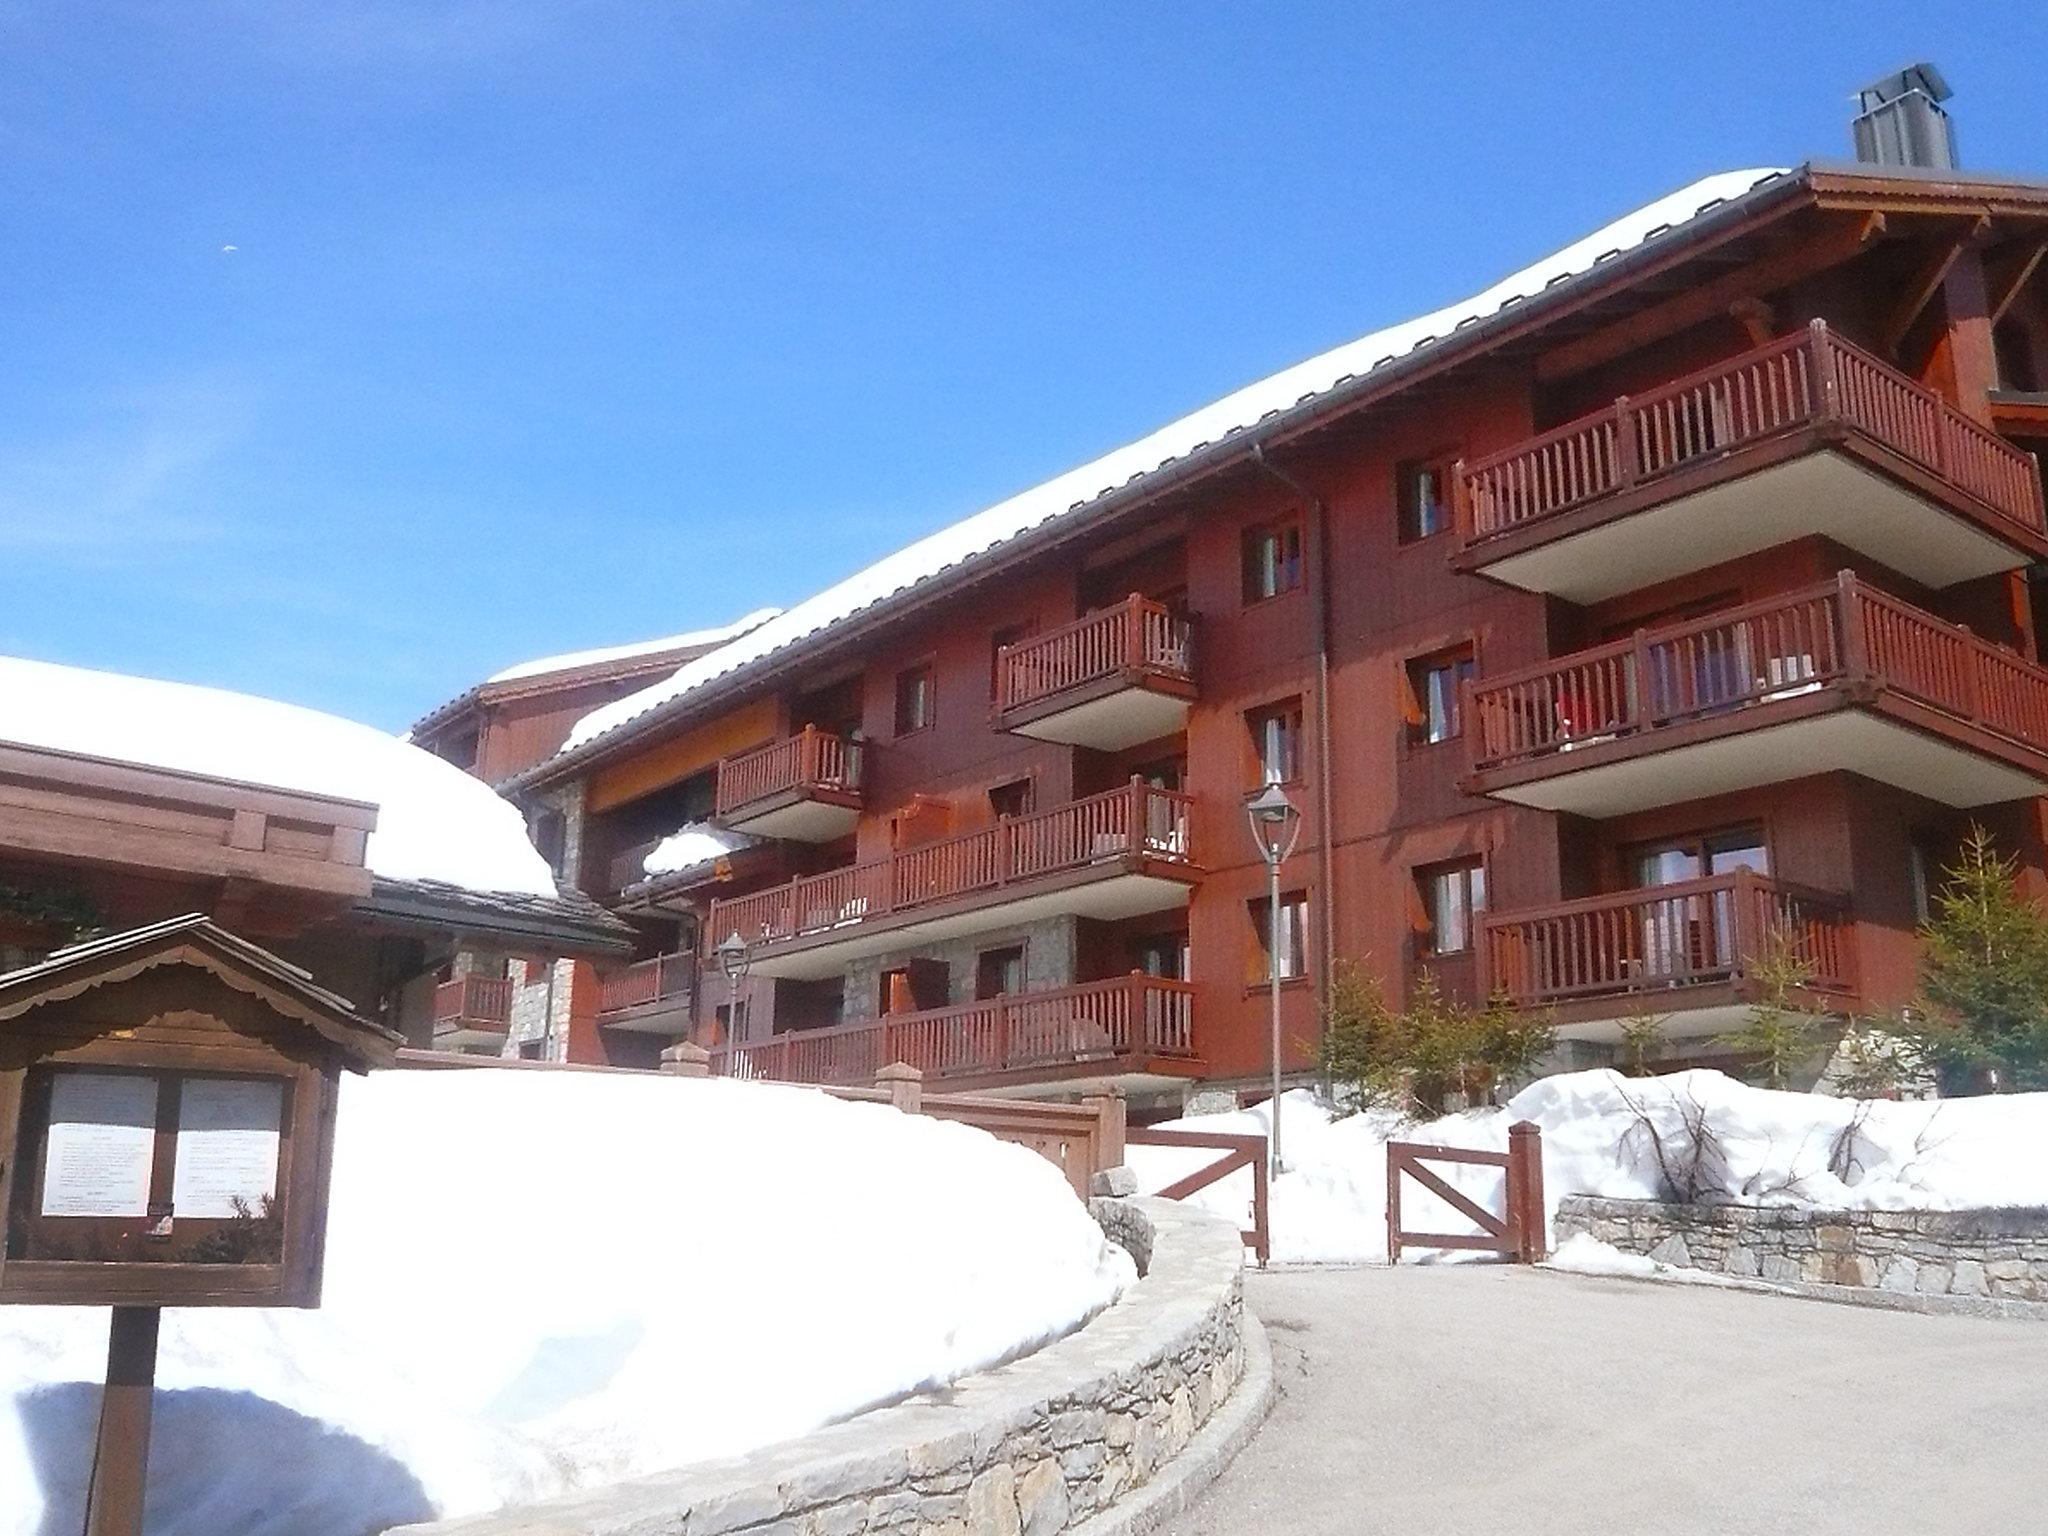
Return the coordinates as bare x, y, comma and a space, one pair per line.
227, 1145
101, 1146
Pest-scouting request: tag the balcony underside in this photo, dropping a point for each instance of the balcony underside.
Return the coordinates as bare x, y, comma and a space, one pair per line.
1124, 887
1107, 715
802, 815
1138, 1076
1698, 1012
1823, 730
667, 1016
1752, 499
465, 1035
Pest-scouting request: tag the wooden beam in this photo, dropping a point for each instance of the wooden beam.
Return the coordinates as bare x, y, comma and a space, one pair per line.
1924, 284
2007, 283
1757, 319
1711, 300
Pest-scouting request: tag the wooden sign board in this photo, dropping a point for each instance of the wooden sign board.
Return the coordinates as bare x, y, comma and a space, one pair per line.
167, 1102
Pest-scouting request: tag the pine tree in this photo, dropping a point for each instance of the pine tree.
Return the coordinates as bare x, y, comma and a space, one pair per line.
1642, 1041
1779, 1036
1984, 973
1363, 1043
1509, 1042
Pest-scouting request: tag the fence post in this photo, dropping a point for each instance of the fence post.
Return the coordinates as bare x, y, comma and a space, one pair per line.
1110, 1123
1826, 389
905, 1084
686, 1058
1855, 647
1525, 1190
1393, 1202
1627, 457
1137, 807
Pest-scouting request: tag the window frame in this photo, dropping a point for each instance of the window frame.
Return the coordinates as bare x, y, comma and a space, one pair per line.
1293, 712
1415, 674
1279, 529
928, 671
1407, 526
1426, 879
1298, 929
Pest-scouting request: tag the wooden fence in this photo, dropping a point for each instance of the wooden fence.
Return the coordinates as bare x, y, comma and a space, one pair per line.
1517, 1231
811, 759
1240, 1151
485, 1000
1137, 635
647, 981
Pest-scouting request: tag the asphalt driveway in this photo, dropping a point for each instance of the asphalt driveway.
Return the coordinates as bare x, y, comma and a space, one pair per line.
1463, 1399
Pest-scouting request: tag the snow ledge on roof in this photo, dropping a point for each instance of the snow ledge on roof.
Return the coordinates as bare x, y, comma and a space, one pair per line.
1233, 413
434, 822
692, 640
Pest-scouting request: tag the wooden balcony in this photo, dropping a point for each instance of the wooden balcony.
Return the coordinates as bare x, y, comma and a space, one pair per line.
1806, 436
1128, 1028
1111, 855
1838, 677
472, 1011
652, 997
1686, 952
1108, 680
806, 788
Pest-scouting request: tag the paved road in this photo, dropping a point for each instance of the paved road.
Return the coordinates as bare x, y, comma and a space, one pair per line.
1465, 1399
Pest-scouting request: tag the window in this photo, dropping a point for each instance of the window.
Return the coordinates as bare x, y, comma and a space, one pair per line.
1011, 799
1272, 561
1696, 858
1161, 954
1293, 955
1434, 683
1276, 741
999, 972
914, 699
1423, 491
1453, 898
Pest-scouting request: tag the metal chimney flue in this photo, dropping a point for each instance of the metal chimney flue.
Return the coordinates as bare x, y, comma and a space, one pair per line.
1899, 121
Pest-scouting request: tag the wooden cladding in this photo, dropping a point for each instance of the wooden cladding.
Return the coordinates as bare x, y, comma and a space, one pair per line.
648, 981
808, 762
1137, 821
1842, 633
1124, 1019
473, 1002
1815, 379
1654, 941
1135, 638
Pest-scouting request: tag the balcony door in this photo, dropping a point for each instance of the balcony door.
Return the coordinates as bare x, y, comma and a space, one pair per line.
1691, 936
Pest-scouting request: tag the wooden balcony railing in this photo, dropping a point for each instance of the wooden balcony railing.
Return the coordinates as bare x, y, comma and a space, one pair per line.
477, 1002
1138, 820
1124, 1018
1137, 635
1778, 648
812, 759
1805, 380
647, 981
1668, 937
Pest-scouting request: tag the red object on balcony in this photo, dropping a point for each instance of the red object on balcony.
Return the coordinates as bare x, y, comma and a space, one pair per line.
1118, 1024
1138, 822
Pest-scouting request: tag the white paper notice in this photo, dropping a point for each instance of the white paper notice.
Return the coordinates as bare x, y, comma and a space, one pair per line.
102, 1144
227, 1145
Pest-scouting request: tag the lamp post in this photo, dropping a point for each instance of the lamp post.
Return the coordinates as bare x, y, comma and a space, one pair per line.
1276, 825
733, 959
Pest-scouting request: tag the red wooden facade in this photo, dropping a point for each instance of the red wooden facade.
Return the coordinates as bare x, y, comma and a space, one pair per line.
1683, 609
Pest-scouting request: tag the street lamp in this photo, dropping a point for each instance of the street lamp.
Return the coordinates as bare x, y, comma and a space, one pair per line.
733, 959
1276, 825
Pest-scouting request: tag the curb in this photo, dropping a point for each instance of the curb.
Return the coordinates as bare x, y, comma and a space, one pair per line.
1998, 1308
1215, 1445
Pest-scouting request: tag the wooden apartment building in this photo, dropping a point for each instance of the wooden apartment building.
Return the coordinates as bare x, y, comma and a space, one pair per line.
1678, 592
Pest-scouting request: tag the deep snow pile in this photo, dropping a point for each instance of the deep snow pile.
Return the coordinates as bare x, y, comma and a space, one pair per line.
434, 822
543, 1280
1775, 1148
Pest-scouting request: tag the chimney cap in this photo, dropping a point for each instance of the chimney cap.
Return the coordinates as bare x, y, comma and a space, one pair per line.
1922, 77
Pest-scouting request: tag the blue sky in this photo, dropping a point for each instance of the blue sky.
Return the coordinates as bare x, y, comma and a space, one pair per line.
354, 351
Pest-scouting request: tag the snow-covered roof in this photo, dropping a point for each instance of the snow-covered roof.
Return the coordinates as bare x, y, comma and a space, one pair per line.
434, 822
1074, 490
693, 847
696, 639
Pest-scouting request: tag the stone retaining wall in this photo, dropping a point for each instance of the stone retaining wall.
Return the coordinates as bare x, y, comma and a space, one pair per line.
1029, 1449
1995, 1253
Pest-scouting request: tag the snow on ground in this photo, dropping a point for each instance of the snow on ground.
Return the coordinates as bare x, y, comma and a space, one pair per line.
1330, 1204
434, 822
542, 666
1211, 424
543, 1280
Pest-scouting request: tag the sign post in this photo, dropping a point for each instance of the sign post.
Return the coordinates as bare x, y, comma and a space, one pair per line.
167, 1103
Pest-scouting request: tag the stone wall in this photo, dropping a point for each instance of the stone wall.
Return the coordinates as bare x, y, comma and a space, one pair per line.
1049, 961
1990, 1253
1031, 1448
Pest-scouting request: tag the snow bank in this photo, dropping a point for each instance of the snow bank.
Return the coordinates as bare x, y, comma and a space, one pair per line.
1234, 412
434, 822
689, 641
542, 1280
1776, 1148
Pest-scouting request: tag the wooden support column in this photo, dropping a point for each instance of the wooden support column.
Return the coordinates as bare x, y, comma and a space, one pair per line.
120, 1461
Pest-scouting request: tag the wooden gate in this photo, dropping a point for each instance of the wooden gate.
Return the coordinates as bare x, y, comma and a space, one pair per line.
1517, 1232
1240, 1151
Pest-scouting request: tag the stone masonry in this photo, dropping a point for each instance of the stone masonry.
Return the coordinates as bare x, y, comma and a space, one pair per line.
1027, 1449
2000, 1253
